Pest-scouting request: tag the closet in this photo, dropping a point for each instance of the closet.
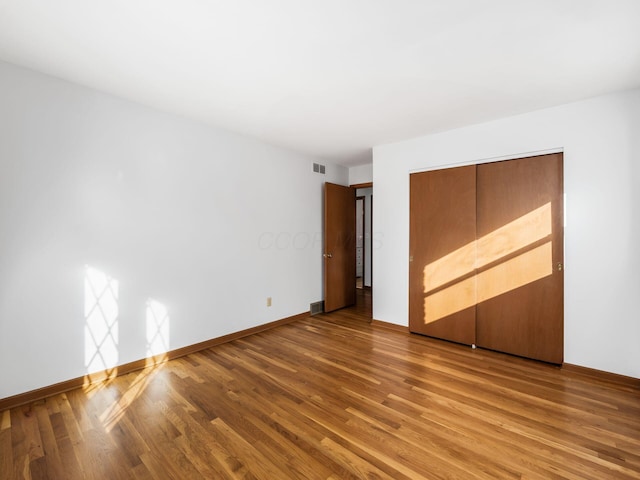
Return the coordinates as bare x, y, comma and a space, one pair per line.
486, 256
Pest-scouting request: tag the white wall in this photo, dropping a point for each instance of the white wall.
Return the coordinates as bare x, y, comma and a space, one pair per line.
600, 138
361, 174
207, 222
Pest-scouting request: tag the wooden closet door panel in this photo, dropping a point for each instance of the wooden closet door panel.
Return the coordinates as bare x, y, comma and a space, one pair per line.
520, 257
442, 293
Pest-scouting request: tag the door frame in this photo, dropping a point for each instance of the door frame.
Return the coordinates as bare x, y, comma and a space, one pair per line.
368, 252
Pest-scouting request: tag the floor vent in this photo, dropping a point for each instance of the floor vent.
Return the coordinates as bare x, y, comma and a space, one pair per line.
316, 308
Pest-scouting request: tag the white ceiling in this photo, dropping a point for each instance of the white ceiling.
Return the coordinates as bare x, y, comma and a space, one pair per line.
332, 78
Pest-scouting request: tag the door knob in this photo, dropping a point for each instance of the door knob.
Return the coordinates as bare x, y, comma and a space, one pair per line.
559, 266
328, 255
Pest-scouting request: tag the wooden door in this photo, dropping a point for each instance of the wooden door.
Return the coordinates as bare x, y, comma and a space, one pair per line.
520, 257
339, 246
442, 218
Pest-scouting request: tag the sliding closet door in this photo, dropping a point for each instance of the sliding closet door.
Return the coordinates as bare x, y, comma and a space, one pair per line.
442, 294
520, 257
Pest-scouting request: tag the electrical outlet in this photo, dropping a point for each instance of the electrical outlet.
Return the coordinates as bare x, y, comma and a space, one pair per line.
268, 301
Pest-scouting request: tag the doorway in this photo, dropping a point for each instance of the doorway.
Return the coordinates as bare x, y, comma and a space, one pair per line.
364, 250
360, 241
364, 204
340, 246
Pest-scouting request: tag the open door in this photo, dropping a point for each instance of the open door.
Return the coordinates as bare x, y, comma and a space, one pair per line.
339, 246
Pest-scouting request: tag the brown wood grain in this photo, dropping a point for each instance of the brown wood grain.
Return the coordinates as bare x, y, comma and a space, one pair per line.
333, 396
362, 185
486, 256
442, 221
339, 246
527, 320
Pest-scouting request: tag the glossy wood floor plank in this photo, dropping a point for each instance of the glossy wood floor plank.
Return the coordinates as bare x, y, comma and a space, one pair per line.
333, 397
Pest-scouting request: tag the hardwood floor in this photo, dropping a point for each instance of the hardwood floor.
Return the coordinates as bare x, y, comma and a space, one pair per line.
333, 397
